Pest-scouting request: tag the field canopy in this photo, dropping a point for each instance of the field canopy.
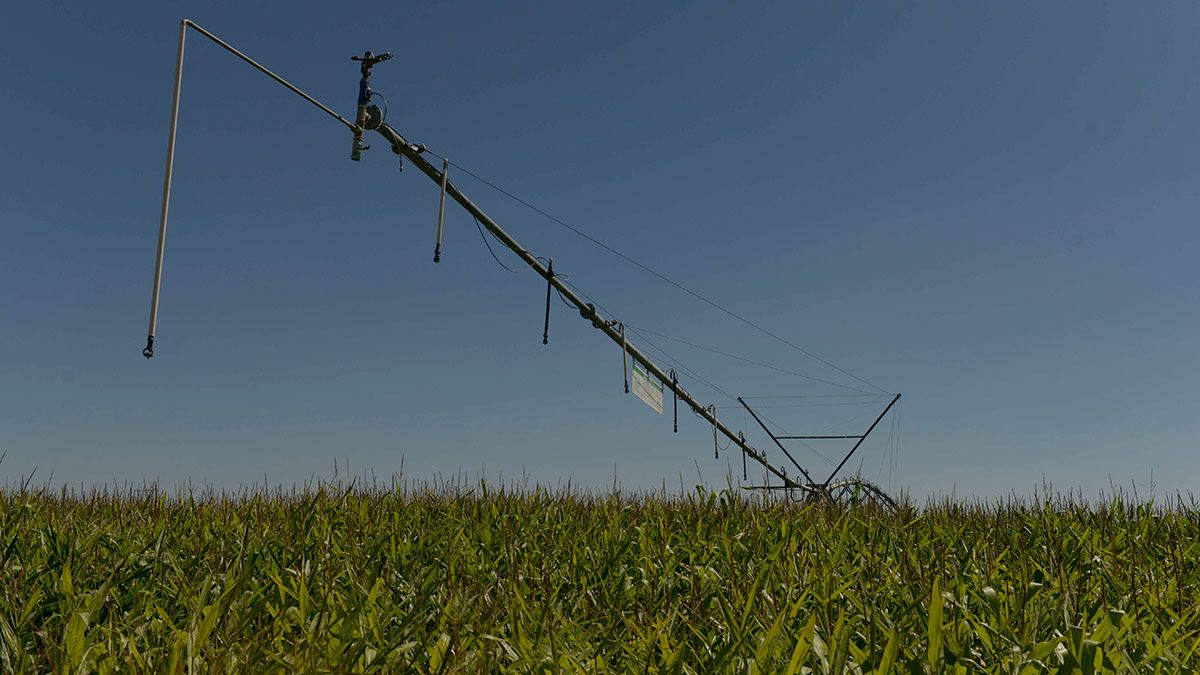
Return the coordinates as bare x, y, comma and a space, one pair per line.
472, 579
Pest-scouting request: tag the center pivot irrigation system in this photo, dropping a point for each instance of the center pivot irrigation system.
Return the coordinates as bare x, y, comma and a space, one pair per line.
370, 117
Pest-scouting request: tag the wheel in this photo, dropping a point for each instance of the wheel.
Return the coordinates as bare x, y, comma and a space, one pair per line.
859, 491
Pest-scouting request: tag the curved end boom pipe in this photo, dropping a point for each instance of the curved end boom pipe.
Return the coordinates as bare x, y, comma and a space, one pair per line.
148, 352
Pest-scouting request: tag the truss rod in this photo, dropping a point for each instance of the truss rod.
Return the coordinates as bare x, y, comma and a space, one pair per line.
228, 47
785, 438
860, 440
774, 438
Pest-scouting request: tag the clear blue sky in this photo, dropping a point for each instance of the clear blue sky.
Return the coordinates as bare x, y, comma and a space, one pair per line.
990, 207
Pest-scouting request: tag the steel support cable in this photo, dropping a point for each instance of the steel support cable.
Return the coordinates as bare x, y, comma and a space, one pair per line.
705, 382
657, 348
641, 331
899, 447
808, 405
892, 440
758, 363
714, 387
682, 367
783, 432
668, 358
660, 275
816, 396
887, 450
843, 423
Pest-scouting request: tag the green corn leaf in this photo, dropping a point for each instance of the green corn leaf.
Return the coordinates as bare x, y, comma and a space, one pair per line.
934, 627
803, 644
890, 654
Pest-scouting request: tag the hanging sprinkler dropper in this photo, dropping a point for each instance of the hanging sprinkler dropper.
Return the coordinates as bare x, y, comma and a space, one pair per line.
148, 352
549, 289
437, 248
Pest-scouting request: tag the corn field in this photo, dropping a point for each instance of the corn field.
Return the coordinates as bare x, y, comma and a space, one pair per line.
334, 578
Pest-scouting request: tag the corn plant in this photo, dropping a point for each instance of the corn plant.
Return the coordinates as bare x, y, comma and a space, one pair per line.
334, 578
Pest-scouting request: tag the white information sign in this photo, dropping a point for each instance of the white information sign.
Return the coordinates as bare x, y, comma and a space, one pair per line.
647, 388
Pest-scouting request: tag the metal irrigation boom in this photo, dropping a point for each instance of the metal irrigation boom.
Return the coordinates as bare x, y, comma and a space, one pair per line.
370, 118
